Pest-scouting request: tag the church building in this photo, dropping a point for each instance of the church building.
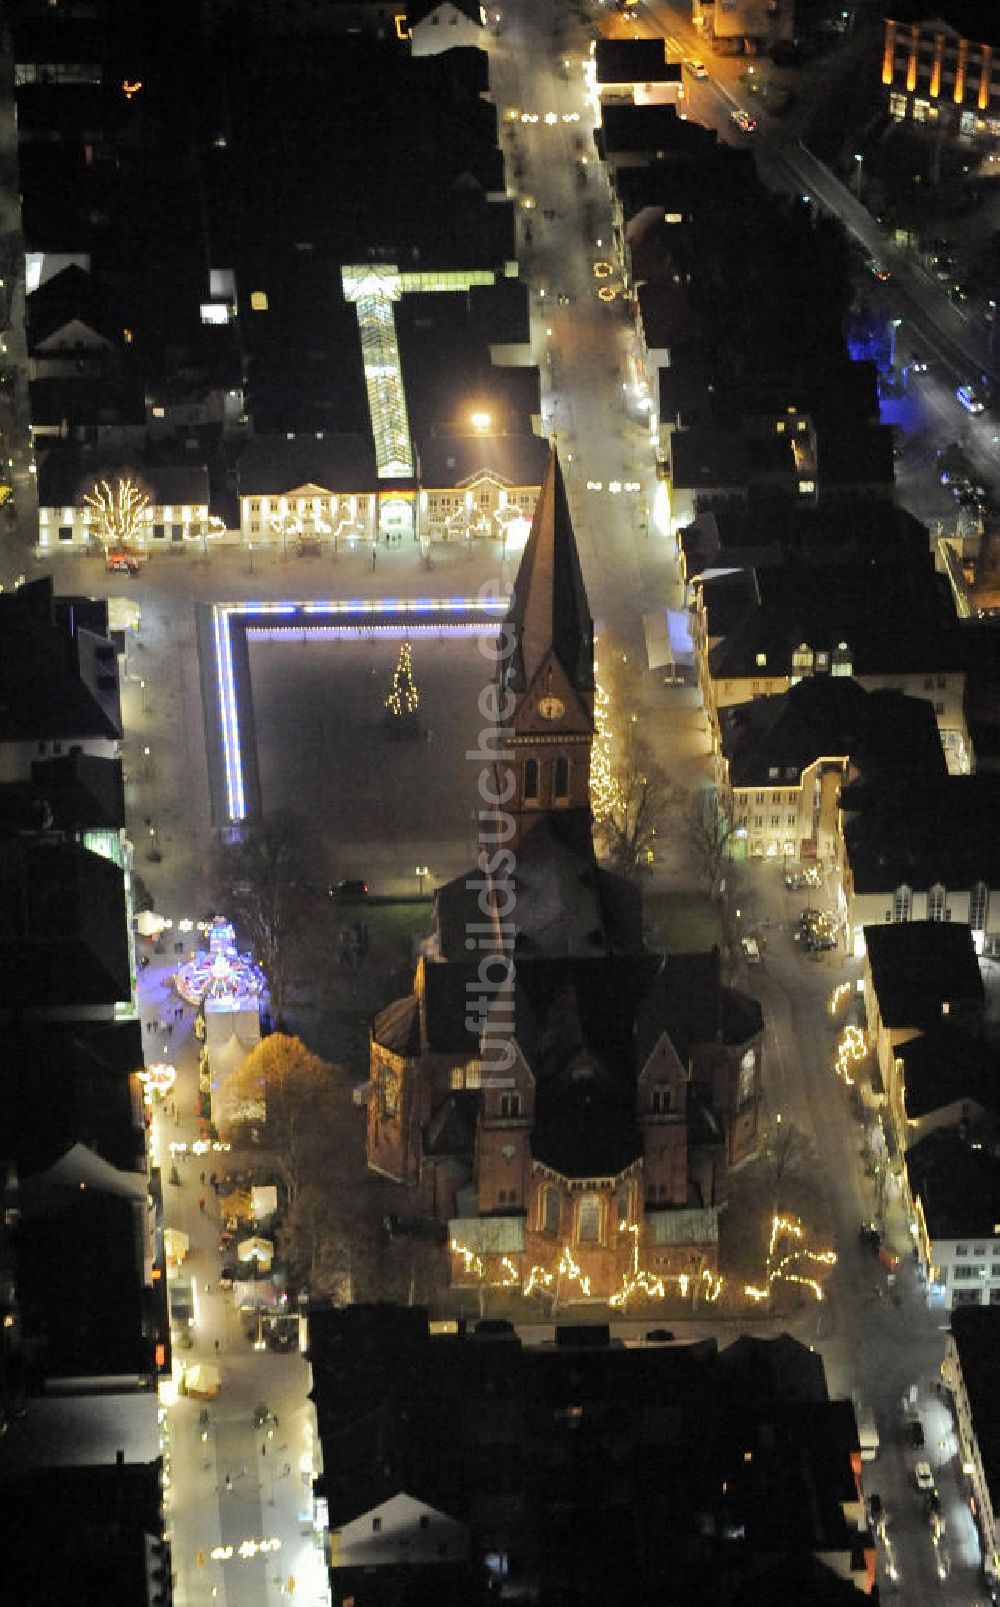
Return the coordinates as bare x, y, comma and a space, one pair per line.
568, 1101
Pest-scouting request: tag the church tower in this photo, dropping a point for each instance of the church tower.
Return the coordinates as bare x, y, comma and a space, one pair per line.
546, 675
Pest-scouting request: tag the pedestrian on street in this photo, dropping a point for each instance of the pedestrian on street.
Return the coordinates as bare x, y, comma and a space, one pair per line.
374, 557
201, 1177
216, 1347
263, 1450
229, 1483
201, 1207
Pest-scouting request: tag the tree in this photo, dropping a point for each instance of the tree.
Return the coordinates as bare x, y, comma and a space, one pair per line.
642, 799
631, 795
313, 1137
119, 511
403, 700
266, 882
709, 833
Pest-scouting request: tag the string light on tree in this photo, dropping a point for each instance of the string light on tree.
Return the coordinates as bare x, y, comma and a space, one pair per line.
403, 699
120, 511
838, 997
851, 1050
787, 1232
604, 790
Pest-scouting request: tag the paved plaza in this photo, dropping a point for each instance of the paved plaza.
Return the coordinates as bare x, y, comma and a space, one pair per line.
326, 751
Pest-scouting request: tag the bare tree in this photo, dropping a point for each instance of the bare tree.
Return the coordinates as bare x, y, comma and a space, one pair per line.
790, 1157
709, 833
640, 807
266, 882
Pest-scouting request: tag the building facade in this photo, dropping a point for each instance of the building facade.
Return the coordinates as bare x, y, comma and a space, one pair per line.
575, 1123
934, 74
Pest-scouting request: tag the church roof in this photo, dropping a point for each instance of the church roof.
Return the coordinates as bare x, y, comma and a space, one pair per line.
549, 611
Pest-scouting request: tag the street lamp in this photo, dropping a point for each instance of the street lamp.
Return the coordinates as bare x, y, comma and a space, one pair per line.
420, 871
480, 420
859, 172
142, 695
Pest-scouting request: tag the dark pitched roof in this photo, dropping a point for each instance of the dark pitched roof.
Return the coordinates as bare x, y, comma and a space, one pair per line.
634, 61
92, 1525
454, 460
69, 295
81, 791
830, 716
905, 624
958, 1185
976, 1332
78, 1251
626, 130
452, 1128
417, 10
63, 934
946, 1064
918, 966
65, 475
775, 529
58, 679
549, 610
70, 1085
271, 465
897, 836
397, 1027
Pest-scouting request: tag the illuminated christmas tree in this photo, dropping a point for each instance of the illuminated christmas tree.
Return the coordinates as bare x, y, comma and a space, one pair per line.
403, 702
118, 512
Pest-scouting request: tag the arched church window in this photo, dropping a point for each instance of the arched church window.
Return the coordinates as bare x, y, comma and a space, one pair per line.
550, 1210
531, 779
560, 787
588, 1221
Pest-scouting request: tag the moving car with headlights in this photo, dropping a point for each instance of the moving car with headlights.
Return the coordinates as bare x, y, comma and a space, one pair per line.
973, 398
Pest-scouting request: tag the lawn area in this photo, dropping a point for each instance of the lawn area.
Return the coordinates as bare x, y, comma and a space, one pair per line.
681, 922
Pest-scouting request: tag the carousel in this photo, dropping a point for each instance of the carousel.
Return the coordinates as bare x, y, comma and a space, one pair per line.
219, 976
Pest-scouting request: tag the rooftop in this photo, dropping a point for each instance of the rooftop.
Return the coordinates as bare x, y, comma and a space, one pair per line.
58, 678
958, 1186
897, 838
918, 967
976, 1332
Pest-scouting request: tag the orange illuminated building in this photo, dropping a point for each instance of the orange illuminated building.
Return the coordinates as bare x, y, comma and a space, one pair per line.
945, 70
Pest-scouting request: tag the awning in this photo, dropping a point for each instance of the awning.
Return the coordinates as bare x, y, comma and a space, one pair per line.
202, 1381
256, 1249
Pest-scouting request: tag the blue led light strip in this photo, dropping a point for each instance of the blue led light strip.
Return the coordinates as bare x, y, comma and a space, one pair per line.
353, 617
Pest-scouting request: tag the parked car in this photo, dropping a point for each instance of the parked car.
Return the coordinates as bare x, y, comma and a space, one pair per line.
349, 890
878, 270
697, 69
228, 1276
744, 121
923, 1477
869, 1234
181, 1302
915, 1433
751, 952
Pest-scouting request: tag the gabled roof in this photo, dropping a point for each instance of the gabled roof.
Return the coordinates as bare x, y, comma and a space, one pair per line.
63, 935
827, 716
417, 10
946, 1064
69, 296
976, 1333
455, 460
897, 839
634, 61
918, 966
58, 679
549, 610
271, 465
958, 1185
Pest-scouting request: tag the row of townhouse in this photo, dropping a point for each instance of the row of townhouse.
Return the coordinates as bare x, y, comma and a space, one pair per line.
85, 1335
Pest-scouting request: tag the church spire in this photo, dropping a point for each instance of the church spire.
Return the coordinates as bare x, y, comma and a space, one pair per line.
549, 612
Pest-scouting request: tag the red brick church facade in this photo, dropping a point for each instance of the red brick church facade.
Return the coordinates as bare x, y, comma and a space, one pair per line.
568, 1101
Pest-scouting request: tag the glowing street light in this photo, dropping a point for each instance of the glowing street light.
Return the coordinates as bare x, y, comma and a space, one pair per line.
480, 420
